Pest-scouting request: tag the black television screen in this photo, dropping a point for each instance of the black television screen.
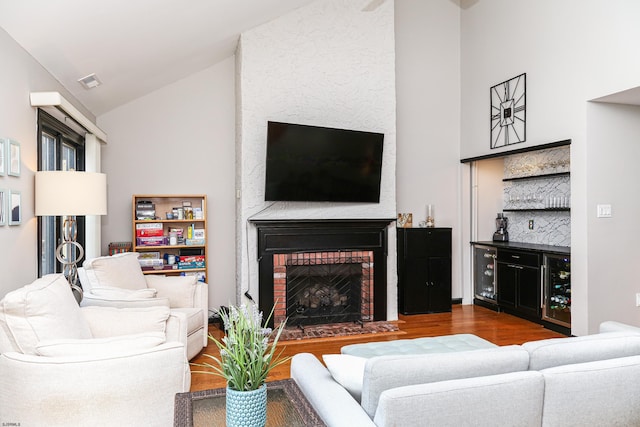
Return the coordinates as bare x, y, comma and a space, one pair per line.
311, 163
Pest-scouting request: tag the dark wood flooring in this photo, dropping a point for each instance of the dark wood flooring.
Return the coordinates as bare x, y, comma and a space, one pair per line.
499, 328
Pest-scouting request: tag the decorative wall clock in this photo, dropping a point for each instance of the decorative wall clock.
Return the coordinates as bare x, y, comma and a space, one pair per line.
509, 112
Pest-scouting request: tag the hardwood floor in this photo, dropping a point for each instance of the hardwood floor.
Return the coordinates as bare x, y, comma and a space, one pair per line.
499, 328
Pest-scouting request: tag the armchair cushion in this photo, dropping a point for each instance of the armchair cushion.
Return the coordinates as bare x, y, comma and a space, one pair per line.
180, 290
111, 346
130, 320
120, 271
44, 309
112, 292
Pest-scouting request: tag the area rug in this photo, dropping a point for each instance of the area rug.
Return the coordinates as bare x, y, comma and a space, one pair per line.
293, 333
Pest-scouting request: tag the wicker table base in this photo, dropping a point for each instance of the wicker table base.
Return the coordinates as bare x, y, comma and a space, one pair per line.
286, 406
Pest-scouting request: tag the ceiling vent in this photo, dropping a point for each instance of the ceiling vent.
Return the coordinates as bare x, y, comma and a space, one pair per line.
90, 81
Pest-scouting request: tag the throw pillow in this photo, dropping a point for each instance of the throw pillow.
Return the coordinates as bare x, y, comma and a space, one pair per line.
111, 321
100, 347
348, 371
180, 290
120, 271
125, 294
44, 309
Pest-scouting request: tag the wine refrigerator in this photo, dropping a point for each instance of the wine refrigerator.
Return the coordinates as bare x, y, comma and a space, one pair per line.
484, 264
556, 296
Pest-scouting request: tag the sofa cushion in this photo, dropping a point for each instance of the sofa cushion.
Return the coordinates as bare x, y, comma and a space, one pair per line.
44, 309
120, 271
348, 371
601, 393
564, 351
100, 347
386, 372
513, 399
129, 320
180, 290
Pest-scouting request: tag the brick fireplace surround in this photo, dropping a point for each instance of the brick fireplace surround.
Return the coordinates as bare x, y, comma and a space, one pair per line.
282, 261
282, 237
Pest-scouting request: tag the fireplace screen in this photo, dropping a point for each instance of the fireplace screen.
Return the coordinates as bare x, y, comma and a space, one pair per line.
327, 293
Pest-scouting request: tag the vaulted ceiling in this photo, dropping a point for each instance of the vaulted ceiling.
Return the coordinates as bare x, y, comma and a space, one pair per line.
133, 47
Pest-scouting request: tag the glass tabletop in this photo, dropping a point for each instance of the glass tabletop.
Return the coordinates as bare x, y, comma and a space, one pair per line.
286, 406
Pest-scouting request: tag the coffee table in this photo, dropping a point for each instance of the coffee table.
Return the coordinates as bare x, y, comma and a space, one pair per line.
286, 406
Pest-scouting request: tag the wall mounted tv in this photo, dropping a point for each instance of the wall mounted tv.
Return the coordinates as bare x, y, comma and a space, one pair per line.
319, 164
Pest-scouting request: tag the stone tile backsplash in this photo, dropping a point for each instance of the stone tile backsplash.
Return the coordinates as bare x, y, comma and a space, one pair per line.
550, 227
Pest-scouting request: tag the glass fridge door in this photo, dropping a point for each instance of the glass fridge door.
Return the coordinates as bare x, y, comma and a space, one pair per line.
484, 273
557, 289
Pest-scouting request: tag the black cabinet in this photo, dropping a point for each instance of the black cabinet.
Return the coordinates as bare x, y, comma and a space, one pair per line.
518, 278
424, 270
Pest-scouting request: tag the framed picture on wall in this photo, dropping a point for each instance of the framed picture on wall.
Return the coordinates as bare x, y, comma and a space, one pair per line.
3, 156
15, 208
14, 158
3, 207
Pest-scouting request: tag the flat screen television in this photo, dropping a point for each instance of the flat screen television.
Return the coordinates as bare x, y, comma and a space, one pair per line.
320, 164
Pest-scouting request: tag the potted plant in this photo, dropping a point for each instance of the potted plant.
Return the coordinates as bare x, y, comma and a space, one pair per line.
247, 355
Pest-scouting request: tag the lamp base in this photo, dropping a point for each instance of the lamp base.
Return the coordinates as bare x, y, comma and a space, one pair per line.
69, 265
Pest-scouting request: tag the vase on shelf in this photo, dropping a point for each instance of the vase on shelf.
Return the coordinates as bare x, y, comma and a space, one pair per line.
246, 408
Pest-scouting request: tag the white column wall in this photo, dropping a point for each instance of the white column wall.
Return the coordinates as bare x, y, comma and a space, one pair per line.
328, 64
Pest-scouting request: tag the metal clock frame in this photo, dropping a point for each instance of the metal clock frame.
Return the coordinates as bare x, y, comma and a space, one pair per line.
508, 112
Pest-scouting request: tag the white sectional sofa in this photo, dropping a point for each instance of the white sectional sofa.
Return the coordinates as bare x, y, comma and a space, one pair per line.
577, 381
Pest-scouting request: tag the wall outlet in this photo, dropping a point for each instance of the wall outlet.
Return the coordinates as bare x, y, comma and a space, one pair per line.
530, 224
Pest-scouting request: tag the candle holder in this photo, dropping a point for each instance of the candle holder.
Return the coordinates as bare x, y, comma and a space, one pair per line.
431, 221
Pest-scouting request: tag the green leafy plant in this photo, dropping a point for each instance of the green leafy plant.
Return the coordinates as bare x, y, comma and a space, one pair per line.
247, 352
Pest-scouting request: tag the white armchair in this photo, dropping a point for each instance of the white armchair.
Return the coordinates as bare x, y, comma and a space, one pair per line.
118, 281
63, 365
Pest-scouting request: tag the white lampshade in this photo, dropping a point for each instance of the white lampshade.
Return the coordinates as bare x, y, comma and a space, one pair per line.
71, 193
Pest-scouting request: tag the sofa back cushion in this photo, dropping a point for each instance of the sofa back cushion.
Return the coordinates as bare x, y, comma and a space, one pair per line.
120, 271
565, 351
43, 310
602, 393
513, 399
387, 372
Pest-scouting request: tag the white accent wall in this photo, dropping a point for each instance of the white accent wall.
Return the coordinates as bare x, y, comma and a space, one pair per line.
20, 74
178, 140
327, 64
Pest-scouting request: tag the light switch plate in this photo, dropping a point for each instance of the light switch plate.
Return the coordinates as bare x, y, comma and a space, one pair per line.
604, 211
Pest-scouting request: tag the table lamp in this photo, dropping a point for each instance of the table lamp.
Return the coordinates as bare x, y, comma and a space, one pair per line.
70, 194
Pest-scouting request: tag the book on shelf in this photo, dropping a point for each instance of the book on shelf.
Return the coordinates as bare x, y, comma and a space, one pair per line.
149, 226
149, 255
189, 265
119, 247
200, 276
152, 232
190, 258
150, 262
194, 242
151, 241
164, 267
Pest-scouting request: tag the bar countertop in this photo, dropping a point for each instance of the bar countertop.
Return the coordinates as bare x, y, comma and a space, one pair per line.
535, 247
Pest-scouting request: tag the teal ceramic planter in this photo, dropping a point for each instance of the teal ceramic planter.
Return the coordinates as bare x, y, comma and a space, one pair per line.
247, 408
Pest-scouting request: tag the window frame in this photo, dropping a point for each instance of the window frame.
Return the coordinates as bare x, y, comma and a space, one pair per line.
63, 136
